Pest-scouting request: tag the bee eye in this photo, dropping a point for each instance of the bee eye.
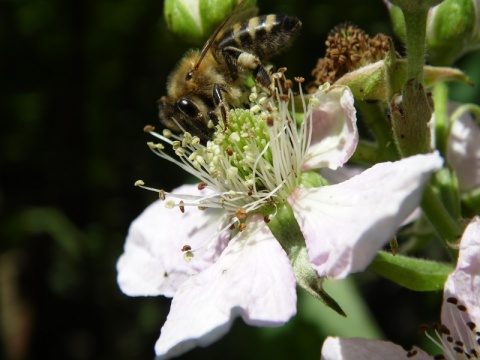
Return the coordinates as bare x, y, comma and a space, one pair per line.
187, 107
189, 75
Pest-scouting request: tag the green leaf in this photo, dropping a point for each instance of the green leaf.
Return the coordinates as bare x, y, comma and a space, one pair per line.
411, 273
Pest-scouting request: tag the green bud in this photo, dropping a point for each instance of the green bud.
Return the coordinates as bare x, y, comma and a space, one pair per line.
195, 21
398, 22
411, 120
415, 5
452, 30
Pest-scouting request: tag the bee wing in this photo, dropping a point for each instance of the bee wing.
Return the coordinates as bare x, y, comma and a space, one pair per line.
238, 14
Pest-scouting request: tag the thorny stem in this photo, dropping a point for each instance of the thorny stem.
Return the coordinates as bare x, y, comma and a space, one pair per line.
416, 27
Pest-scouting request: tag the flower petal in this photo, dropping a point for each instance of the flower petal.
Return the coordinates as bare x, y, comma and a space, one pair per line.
464, 282
363, 349
252, 278
463, 152
346, 224
153, 262
334, 133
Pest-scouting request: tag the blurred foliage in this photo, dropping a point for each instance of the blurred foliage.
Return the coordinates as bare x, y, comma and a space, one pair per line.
79, 80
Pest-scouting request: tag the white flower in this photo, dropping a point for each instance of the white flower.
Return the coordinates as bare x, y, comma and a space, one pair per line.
463, 152
459, 335
223, 261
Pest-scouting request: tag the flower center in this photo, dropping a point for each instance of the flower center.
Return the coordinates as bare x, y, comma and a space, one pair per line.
253, 160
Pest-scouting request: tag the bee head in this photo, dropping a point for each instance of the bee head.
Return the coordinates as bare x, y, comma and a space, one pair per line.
183, 115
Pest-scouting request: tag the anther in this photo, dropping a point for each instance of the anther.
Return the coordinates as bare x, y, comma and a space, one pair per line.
270, 121
452, 300
139, 183
299, 79
148, 128
471, 325
266, 219
242, 227
462, 308
411, 353
423, 328
241, 214
186, 248
161, 194
445, 330
181, 206
202, 185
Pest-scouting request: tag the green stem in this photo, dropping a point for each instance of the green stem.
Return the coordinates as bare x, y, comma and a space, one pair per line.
440, 98
374, 117
446, 227
416, 27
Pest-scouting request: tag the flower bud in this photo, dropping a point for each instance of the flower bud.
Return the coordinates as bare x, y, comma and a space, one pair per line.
453, 29
195, 21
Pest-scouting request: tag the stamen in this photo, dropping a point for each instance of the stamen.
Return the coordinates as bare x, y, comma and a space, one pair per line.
461, 341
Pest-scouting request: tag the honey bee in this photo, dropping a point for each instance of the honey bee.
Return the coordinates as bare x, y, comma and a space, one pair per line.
206, 83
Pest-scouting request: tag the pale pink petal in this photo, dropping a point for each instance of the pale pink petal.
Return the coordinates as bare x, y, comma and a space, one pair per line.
463, 152
464, 282
253, 278
334, 133
153, 262
346, 224
341, 174
363, 349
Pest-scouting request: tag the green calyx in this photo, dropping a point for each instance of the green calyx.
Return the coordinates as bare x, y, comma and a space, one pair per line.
286, 230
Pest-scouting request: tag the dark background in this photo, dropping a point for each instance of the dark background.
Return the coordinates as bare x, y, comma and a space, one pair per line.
78, 81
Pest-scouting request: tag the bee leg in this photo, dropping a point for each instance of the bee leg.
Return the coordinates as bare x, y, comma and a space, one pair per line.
236, 58
220, 103
263, 78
